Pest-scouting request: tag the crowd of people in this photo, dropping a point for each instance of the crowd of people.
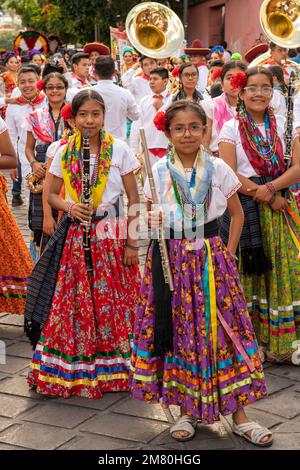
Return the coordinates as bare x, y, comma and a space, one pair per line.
216, 130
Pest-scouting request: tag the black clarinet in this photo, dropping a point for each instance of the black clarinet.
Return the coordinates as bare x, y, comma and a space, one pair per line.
288, 136
86, 198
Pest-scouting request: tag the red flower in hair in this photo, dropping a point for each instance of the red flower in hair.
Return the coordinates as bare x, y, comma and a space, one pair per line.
175, 71
239, 80
160, 121
41, 85
217, 73
66, 112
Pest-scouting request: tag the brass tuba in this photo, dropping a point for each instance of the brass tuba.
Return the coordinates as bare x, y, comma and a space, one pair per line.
280, 20
154, 30
34, 183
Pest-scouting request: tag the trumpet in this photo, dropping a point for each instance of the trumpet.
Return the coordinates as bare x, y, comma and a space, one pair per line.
34, 183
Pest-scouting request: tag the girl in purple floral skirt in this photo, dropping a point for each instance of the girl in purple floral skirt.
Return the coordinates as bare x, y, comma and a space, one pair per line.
196, 348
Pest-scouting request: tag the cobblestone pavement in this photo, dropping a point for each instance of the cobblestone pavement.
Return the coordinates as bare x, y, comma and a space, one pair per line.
30, 421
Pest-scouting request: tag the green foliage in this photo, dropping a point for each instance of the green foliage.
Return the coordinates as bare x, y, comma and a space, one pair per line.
74, 20
7, 39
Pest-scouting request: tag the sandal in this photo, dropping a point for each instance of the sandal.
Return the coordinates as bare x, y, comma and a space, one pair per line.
185, 424
257, 434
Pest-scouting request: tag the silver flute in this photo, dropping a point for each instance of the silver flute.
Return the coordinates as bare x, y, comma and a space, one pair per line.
165, 261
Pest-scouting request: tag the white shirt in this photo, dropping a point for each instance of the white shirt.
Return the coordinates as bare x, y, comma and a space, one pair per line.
297, 110
230, 133
278, 103
119, 105
225, 184
15, 94
3, 127
155, 138
17, 122
75, 82
138, 86
123, 162
203, 77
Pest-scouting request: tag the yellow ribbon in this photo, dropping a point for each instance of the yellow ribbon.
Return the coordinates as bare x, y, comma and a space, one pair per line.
213, 300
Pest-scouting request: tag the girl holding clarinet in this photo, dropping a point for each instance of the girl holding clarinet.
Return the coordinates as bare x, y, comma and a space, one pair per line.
83, 291
195, 349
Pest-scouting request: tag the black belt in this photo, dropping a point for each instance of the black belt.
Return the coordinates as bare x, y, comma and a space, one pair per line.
163, 329
211, 229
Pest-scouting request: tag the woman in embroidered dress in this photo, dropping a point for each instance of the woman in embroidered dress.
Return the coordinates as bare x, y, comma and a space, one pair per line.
15, 262
45, 126
198, 349
11, 75
84, 348
253, 145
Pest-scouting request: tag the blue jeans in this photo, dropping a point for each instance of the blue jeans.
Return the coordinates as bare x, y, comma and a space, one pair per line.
17, 185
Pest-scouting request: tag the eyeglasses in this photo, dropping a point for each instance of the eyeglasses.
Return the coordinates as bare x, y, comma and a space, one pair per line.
58, 87
255, 90
189, 75
194, 130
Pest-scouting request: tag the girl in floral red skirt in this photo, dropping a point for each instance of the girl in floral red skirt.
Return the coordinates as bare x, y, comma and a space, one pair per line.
80, 319
196, 350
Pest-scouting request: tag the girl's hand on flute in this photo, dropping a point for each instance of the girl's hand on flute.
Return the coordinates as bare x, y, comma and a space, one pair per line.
155, 218
82, 212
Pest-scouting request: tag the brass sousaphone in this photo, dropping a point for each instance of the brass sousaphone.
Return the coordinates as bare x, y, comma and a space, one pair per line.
154, 30
280, 21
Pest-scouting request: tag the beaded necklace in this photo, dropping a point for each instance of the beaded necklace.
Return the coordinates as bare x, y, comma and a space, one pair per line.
264, 148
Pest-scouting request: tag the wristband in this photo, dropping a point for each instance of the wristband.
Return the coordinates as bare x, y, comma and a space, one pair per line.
272, 200
33, 161
270, 188
136, 248
70, 205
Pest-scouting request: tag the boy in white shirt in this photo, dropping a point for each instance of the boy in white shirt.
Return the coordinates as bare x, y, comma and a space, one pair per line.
138, 82
119, 103
16, 119
149, 106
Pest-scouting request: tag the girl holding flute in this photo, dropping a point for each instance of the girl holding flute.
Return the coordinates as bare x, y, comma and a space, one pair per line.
195, 349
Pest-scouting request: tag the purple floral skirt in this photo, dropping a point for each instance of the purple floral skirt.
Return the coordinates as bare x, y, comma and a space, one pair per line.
203, 381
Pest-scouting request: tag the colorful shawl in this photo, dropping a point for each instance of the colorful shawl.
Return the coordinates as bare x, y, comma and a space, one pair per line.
71, 163
191, 198
10, 82
43, 126
264, 153
222, 111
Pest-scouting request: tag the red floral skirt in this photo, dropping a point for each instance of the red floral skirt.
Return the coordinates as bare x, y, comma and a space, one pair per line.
85, 345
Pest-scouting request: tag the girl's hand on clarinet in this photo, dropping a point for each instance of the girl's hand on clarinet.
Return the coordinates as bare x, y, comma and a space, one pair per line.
82, 212
131, 256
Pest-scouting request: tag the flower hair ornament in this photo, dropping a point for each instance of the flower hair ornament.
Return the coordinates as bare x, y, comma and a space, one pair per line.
239, 80
66, 112
217, 73
41, 85
175, 72
160, 121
